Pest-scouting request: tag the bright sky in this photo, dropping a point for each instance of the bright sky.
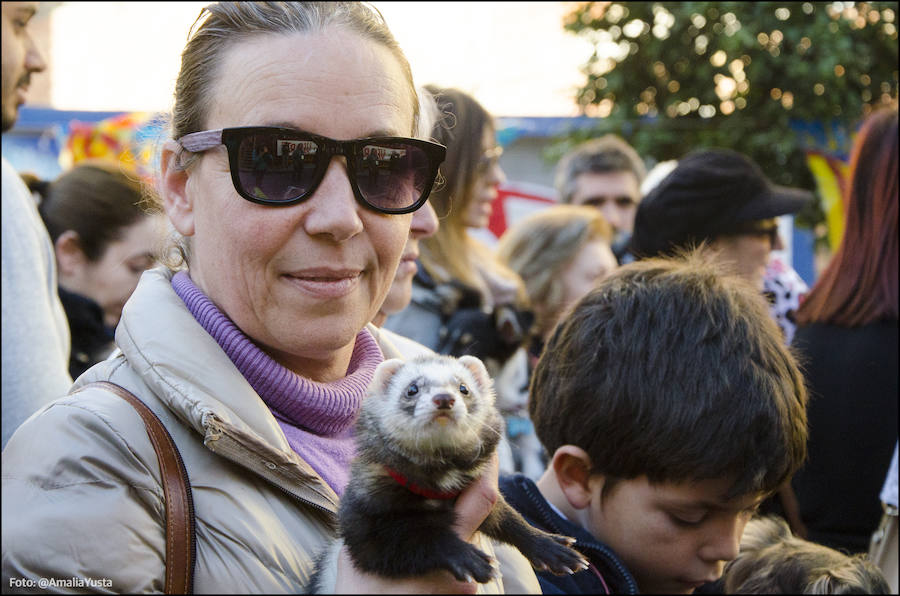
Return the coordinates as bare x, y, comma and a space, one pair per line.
513, 56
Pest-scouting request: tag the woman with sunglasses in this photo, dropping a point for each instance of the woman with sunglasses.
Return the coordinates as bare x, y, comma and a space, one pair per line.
253, 346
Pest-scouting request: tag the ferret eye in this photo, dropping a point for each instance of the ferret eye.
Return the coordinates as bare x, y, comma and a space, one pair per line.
463, 389
412, 390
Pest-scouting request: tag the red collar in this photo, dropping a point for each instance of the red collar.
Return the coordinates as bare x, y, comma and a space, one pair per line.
415, 488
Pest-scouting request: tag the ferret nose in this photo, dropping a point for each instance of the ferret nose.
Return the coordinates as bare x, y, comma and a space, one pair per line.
443, 401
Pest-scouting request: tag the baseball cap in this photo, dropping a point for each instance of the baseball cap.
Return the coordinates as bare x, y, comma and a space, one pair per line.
710, 192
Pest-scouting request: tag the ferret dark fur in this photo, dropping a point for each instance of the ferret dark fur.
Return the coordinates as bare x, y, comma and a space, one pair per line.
430, 421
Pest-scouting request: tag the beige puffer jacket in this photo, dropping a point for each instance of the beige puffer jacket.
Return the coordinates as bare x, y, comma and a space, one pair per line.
81, 493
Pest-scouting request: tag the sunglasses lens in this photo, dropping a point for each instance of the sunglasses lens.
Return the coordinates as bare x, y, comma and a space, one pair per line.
392, 175
274, 167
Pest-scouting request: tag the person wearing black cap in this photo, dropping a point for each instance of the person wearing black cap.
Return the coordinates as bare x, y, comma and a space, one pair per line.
722, 198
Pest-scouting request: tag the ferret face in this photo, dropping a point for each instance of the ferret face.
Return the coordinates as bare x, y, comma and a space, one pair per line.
431, 402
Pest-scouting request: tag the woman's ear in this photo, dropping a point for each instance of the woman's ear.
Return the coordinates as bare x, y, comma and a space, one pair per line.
175, 200
70, 258
572, 466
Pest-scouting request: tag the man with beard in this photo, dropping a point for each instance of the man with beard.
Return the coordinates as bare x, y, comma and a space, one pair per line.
35, 332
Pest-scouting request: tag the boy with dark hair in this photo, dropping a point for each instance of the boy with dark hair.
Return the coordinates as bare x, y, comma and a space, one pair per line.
671, 408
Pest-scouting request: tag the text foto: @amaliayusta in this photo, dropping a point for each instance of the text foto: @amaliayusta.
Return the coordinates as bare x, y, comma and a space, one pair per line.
59, 582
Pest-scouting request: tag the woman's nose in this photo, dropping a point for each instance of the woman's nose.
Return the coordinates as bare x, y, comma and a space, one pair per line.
332, 209
424, 221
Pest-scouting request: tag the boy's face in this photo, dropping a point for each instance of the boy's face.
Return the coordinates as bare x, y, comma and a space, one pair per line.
672, 537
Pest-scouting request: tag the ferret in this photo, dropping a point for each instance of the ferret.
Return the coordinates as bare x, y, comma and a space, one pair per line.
426, 430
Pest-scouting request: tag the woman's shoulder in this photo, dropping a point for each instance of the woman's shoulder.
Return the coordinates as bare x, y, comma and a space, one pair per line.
82, 470
394, 345
89, 435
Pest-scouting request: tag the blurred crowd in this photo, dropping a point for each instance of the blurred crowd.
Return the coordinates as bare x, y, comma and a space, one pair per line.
675, 397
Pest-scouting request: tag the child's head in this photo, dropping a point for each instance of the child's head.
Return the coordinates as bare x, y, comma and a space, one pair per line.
774, 561
671, 408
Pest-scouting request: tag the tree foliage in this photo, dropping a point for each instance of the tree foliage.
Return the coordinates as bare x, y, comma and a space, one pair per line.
741, 75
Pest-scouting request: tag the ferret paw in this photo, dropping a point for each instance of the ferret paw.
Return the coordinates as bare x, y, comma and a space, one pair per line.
553, 554
471, 563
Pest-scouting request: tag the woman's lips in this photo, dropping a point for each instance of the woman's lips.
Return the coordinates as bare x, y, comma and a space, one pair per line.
325, 283
408, 264
407, 267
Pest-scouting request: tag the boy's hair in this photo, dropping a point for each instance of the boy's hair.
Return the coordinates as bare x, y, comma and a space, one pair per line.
673, 370
774, 561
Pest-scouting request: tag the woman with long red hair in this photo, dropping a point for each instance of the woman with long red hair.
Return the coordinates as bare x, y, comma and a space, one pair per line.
847, 338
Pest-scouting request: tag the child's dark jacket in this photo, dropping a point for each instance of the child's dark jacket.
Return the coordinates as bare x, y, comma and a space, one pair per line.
524, 496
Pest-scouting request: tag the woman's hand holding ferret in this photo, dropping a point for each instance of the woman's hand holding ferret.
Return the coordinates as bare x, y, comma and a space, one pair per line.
472, 507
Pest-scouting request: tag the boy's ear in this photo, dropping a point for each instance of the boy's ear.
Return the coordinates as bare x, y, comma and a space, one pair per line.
69, 255
174, 197
572, 466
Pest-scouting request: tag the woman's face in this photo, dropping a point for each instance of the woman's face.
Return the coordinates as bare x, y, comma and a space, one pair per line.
301, 280
488, 176
593, 262
424, 224
110, 280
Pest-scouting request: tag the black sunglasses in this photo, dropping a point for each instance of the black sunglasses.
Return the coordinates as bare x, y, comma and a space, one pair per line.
756, 229
283, 166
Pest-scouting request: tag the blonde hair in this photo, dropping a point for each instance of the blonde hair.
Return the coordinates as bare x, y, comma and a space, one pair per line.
540, 246
774, 561
222, 25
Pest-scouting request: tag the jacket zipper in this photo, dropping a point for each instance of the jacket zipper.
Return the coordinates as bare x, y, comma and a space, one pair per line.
231, 456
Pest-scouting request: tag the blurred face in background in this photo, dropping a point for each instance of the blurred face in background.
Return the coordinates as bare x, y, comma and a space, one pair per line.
109, 280
591, 264
488, 176
615, 194
424, 224
20, 57
747, 253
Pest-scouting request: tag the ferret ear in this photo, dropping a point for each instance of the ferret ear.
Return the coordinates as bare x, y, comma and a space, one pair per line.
383, 375
478, 370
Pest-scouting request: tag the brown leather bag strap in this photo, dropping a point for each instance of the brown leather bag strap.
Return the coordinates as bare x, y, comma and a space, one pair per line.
180, 539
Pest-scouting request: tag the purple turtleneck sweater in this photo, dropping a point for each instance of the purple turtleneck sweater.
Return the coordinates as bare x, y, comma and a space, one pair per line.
317, 418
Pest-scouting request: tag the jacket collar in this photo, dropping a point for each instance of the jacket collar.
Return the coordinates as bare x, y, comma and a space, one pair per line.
523, 494
166, 345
